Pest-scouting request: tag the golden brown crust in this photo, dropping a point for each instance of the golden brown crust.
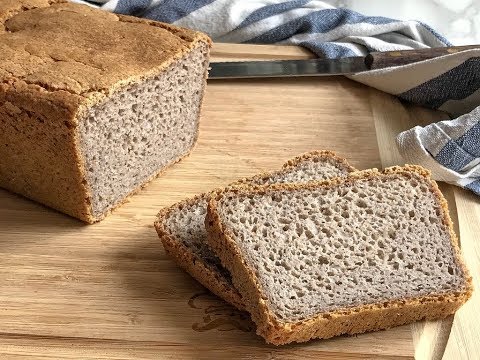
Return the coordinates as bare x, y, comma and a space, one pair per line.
206, 274
58, 47
328, 155
53, 67
38, 157
9, 8
319, 155
345, 321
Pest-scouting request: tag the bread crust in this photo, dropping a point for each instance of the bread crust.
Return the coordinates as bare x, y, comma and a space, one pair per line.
320, 155
353, 320
328, 155
204, 273
9, 8
45, 91
53, 65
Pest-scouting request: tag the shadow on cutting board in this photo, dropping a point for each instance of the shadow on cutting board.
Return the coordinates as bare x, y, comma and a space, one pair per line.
21, 215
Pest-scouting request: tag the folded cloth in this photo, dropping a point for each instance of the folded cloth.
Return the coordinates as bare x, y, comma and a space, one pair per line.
451, 149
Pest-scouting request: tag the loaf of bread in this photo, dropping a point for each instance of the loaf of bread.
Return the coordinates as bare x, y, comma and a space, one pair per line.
366, 252
93, 105
181, 227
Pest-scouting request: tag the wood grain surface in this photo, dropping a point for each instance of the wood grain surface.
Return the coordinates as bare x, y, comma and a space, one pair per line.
108, 291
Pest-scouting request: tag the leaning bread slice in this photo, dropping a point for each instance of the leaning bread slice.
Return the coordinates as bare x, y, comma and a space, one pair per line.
182, 231
367, 252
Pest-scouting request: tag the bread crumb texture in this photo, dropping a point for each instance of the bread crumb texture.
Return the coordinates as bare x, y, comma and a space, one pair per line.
181, 227
344, 256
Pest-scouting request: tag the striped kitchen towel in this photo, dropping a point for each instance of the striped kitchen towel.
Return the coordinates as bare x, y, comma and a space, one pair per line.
451, 149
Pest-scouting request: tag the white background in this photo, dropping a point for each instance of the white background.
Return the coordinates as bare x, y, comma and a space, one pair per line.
457, 20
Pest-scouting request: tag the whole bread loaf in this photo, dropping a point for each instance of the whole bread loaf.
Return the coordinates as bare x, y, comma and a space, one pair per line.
93, 105
181, 227
365, 252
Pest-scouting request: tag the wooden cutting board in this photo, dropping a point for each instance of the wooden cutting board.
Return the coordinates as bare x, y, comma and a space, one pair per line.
108, 291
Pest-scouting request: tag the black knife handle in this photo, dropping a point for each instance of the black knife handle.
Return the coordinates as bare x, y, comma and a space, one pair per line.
380, 60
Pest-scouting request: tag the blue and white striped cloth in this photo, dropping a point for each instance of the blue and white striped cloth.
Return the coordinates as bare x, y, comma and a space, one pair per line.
451, 149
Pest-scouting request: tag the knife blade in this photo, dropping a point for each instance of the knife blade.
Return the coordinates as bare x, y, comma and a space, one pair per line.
286, 68
327, 67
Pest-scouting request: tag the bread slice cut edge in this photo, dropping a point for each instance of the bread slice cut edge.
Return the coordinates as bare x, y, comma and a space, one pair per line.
193, 264
204, 273
353, 320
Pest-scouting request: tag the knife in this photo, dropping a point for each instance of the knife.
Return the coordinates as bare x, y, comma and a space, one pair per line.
327, 67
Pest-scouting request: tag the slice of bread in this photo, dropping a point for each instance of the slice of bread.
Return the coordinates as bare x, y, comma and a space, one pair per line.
182, 231
366, 252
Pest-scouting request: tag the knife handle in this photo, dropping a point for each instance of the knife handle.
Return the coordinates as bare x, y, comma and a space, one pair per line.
380, 60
